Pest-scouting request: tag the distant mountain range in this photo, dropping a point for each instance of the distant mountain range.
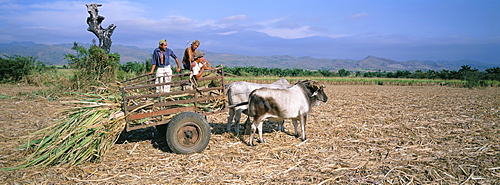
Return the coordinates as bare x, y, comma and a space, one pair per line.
54, 55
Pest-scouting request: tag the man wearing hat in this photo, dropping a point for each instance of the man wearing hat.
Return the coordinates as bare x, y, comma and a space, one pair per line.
197, 68
188, 57
161, 61
200, 65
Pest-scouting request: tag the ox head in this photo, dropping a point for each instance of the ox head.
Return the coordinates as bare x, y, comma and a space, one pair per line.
315, 89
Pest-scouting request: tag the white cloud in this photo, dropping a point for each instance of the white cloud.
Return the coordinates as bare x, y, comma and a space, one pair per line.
138, 24
289, 33
121, 10
289, 29
269, 22
46, 14
59, 5
359, 15
235, 18
178, 20
8, 7
74, 13
210, 23
337, 35
228, 33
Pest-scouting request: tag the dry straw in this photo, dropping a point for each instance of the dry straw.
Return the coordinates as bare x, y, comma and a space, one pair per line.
85, 134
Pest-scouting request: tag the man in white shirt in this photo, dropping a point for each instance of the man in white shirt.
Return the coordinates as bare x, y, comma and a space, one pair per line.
199, 65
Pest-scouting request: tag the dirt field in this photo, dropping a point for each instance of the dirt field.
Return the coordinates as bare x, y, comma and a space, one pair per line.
362, 135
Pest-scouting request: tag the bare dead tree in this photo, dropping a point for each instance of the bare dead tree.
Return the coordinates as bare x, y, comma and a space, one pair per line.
94, 21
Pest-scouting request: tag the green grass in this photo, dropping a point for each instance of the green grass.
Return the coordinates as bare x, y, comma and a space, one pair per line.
65, 72
344, 80
357, 81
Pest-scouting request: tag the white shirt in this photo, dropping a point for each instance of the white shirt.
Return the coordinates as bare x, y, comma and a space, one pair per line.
196, 68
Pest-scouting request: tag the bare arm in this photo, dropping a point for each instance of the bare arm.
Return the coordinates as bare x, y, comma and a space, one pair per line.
206, 62
200, 74
152, 69
178, 66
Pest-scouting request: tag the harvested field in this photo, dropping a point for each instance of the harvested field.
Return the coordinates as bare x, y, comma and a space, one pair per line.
362, 135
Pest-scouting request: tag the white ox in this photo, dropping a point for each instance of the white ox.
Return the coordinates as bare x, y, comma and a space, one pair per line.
293, 103
238, 92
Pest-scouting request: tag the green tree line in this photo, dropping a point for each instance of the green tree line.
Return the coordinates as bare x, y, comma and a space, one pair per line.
465, 73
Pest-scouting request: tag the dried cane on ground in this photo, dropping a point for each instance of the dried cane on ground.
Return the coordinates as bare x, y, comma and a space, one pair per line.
84, 135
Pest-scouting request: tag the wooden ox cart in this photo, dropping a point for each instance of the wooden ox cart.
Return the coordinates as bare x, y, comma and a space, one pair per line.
179, 114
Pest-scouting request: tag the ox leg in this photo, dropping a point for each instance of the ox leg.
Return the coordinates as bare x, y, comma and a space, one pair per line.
230, 119
261, 123
237, 118
252, 132
280, 126
295, 125
257, 123
303, 125
247, 125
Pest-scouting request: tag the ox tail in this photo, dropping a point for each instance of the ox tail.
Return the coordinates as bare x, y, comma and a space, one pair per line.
237, 105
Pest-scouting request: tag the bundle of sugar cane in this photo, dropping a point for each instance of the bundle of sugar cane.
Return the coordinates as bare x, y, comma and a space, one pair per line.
85, 135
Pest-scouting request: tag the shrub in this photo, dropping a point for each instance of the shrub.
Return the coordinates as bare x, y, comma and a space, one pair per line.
93, 66
136, 67
17, 67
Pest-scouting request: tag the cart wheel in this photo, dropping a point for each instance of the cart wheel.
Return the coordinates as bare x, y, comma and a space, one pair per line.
188, 132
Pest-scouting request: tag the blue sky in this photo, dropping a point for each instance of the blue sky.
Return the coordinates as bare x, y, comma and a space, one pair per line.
347, 29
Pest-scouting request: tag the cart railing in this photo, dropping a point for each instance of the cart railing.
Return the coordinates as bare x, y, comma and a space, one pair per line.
145, 107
